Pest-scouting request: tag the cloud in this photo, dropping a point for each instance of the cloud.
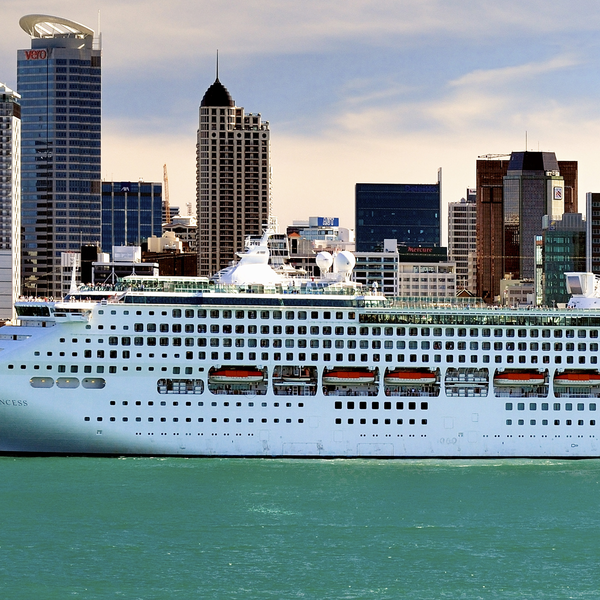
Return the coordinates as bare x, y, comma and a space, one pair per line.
510, 75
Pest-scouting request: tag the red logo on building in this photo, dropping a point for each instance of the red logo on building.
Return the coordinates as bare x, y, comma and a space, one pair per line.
420, 250
36, 54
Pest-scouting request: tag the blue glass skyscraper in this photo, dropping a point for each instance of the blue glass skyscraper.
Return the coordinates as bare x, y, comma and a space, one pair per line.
59, 80
408, 213
131, 213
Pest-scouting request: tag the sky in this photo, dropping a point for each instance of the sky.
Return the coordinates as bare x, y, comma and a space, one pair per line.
354, 91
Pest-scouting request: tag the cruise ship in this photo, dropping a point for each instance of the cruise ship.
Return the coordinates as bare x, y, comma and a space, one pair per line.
256, 364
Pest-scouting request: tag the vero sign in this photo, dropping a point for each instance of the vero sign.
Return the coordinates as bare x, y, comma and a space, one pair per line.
36, 54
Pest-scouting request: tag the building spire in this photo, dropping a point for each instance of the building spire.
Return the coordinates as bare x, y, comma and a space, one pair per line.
217, 64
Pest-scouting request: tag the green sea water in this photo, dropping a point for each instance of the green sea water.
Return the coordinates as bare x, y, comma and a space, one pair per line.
226, 528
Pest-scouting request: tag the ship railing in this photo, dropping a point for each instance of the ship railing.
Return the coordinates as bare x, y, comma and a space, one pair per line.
236, 392
299, 391
590, 394
416, 393
519, 394
354, 393
465, 393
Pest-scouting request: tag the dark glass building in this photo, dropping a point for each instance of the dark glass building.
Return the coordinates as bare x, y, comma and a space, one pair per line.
563, 251
512, 198
408, 213
593, 232
131, 213
59, 80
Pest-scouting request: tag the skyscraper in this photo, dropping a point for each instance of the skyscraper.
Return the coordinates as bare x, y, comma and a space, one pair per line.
533, 187
490, 227
592, 213
10, 200
59, 81
131, 213
512, 198
233, 178
409, 213
462, 240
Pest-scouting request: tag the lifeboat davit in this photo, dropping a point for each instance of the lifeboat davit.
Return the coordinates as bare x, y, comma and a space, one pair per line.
236, 376
577, 379
341, 376
409, 378
522, 378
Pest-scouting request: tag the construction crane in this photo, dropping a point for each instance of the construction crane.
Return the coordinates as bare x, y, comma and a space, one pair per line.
166, 205
492, 156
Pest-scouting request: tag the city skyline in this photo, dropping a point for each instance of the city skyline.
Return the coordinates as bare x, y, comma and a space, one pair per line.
351, 93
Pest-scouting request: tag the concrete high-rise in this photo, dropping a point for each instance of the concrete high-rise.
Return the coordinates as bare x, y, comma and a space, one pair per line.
10, 200
233, 178
409, 213
462, 241
512, 197
59, 80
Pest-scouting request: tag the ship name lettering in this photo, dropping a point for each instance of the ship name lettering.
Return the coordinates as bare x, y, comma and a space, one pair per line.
13, 402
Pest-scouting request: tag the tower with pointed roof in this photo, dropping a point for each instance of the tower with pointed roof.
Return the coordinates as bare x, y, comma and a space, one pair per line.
233, 178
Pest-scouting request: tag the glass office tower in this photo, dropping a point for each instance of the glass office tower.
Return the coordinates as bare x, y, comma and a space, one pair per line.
131, 213
408, 213
58, 79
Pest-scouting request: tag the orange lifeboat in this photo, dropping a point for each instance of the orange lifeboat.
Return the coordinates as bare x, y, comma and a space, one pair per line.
520, 378
347, 376
577, 379
236, 376
409, 378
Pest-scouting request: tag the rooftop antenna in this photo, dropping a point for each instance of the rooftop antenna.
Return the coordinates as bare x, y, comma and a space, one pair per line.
525, 141
217, 64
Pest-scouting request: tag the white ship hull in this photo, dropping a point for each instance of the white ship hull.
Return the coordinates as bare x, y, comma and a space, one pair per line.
150, 395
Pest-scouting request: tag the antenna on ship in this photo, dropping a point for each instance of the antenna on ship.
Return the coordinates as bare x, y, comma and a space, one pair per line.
73, 287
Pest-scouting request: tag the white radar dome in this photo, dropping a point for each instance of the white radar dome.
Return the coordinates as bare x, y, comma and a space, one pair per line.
324, 261
344, 261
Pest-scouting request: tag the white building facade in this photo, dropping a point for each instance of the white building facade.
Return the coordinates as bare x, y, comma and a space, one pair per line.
10, 200
414, 272
462, 241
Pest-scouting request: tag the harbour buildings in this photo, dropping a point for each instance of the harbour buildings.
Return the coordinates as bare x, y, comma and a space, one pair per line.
407, 271
59, 79
10, 200
512, 197
233, 178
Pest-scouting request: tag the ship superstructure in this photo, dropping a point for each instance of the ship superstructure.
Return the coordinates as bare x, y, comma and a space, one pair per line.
271, 366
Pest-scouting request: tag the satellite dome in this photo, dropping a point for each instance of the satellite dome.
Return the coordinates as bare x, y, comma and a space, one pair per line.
324, 261
345, 261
